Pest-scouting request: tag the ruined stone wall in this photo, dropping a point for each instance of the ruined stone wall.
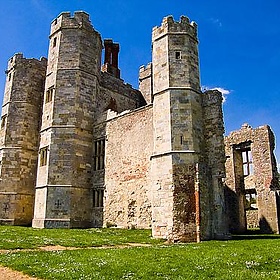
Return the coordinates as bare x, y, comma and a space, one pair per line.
19, 137
213, 209
263, 179
129, 145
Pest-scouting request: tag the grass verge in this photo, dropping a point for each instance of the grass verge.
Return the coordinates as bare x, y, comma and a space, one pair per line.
250, 258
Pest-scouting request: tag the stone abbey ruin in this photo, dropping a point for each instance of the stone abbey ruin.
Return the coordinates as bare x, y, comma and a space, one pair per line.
80, 148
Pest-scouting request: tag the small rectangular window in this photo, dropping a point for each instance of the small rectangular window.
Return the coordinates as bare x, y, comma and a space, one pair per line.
178, 55
99, 154
43, 156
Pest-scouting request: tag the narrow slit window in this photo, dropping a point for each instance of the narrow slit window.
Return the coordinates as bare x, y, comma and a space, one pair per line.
54, 41
3, 121
98, 196
99, 154
43, 156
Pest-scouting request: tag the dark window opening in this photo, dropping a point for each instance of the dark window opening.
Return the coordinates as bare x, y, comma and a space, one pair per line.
54, 41
178, 55
98, 198
43, 156
99, 154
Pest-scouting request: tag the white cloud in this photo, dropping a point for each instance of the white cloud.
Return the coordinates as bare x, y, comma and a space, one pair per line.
224, 91
216, 22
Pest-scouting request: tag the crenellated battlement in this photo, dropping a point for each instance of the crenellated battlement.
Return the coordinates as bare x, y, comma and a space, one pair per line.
145, 71
19, 58
169, 25
80, 19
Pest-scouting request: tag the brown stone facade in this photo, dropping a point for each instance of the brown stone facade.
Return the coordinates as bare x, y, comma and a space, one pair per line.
92, 151
252, 184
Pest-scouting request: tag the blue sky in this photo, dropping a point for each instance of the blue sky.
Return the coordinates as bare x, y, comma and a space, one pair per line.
239, 45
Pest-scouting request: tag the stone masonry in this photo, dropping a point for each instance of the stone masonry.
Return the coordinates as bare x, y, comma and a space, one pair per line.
252, 180
88, 150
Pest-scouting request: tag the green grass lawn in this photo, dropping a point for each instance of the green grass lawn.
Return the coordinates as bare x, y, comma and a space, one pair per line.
249, 257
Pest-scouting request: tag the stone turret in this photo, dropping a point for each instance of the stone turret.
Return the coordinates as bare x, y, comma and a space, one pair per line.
182, 190
63, 189
21, 114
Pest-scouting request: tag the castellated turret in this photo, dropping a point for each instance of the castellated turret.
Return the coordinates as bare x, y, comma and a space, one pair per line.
19, 136
182, 192
64, 170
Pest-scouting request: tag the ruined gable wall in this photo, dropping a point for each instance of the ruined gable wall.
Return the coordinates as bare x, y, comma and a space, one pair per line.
129, 144
263, 178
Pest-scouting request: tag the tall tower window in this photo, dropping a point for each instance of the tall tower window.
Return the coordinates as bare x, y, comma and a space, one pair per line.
43, 156
99, 154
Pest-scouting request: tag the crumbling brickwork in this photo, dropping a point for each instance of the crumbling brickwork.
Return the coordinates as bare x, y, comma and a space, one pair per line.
252, 179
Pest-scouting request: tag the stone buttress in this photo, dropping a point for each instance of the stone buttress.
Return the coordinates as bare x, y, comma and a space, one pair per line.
19, 138
64, 178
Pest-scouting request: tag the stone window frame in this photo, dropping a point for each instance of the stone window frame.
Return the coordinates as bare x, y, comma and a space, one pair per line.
98, 198
43, 153
99, 154
49, 94
247, 162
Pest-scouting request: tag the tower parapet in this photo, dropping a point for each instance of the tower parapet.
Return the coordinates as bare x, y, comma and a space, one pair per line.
169, 25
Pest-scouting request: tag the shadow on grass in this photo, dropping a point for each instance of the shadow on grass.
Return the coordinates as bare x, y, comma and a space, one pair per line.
254, 234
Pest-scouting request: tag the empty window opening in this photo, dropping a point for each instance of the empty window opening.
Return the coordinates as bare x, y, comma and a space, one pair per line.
99, 154
10, 76
247, 162
251, 199
98, 198
55, 21
43, 156
178, 55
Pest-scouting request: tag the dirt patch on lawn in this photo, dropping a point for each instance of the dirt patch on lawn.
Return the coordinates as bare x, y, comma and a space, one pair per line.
9, 274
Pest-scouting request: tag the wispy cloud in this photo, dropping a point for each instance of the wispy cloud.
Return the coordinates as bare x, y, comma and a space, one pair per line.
216, 22
224, 91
